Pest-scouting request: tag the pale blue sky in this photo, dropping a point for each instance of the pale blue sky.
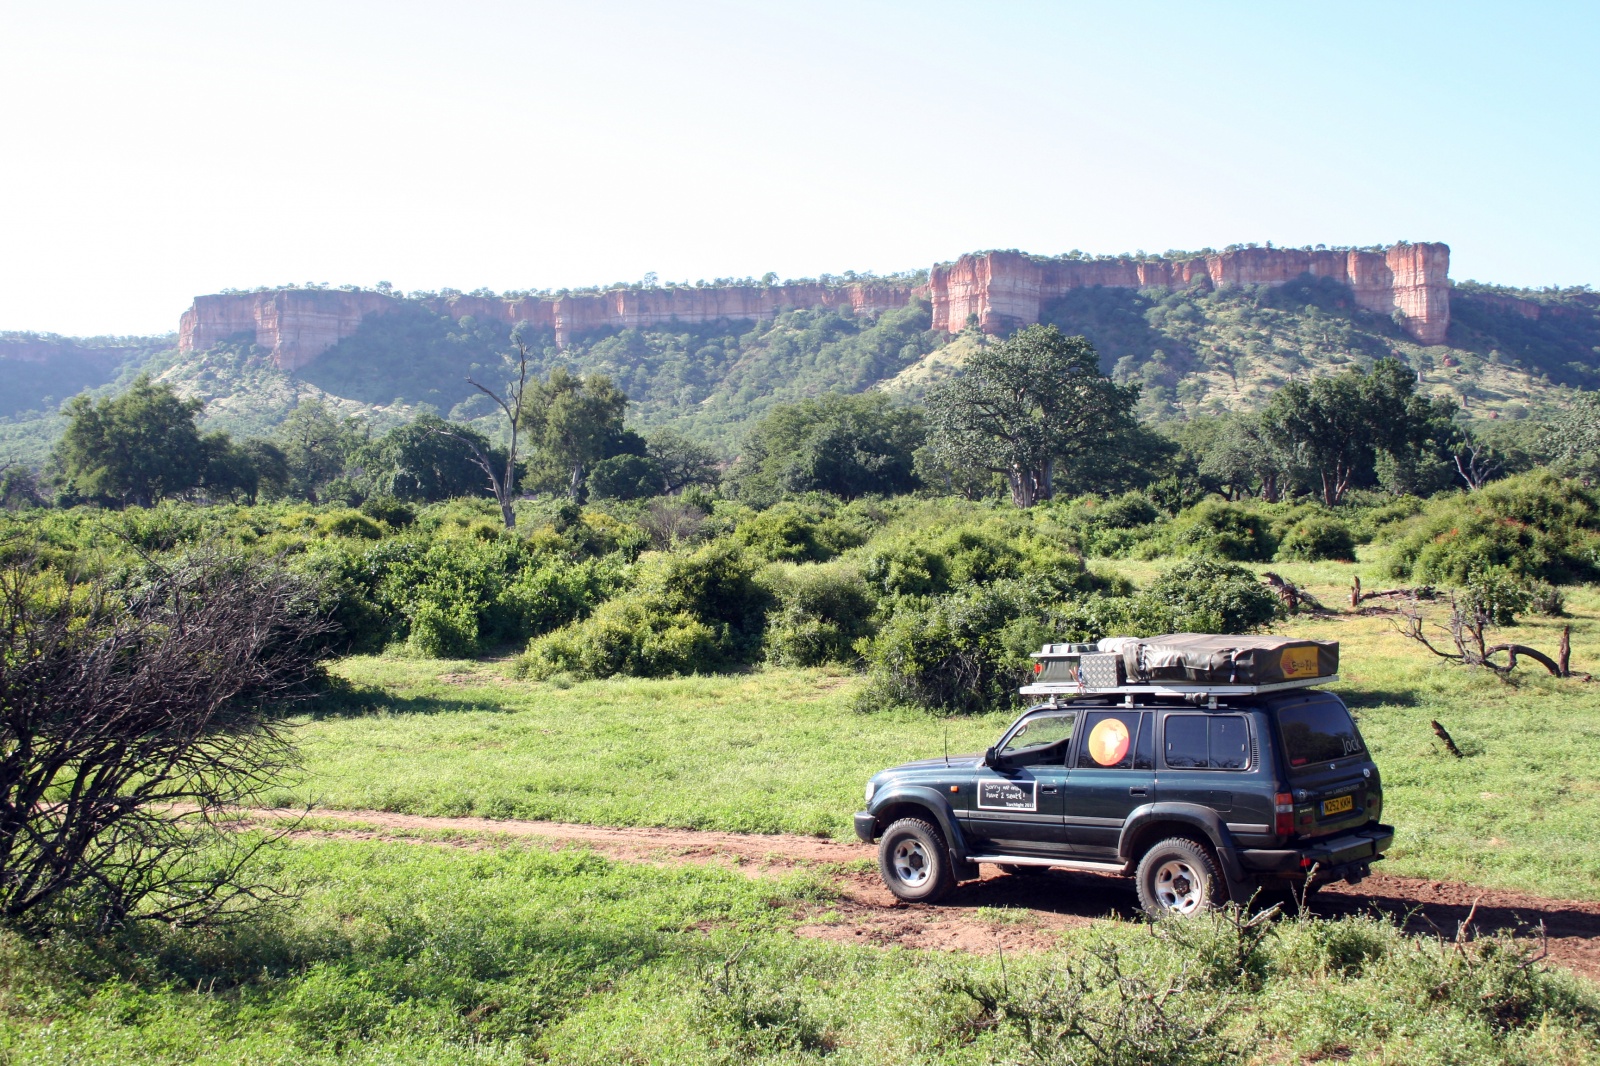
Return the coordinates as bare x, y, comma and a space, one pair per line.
152, 151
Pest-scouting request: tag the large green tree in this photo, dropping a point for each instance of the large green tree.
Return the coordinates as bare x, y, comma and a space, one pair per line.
572, 422
429, 460
1026, 404
849, 445
133, 449
1335, 429
317, 444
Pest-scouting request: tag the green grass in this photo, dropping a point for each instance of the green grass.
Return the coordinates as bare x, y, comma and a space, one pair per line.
765, 752
406, 953
783, 751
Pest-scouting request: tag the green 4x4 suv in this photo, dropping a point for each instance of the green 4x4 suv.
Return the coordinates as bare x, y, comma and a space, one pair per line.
1198, 803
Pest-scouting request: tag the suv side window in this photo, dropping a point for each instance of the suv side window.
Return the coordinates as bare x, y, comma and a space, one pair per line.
1113, 740
1207, 742
1041, 740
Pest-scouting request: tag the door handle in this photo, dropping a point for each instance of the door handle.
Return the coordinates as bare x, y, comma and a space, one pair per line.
1138, 790
1049, 790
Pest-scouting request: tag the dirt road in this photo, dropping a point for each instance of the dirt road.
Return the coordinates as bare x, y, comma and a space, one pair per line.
1009, 912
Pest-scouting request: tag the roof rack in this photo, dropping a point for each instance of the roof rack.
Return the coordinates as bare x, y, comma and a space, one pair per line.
1182, 665
1073, 690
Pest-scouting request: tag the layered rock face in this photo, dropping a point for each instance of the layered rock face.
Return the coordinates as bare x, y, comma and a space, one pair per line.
1007, 289
1003, 289
297, 325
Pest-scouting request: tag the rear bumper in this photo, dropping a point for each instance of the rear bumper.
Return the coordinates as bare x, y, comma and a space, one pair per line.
1348, 849
866, 826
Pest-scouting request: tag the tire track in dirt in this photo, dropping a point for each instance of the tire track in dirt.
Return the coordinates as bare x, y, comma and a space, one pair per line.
1012, 913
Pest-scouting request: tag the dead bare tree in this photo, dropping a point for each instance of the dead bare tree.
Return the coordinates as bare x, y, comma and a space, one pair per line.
1466, 627
133, 721
1476, 463
502, 483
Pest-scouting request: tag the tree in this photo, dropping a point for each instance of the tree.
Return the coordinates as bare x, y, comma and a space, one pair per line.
1023, 405
1336, 427
430, 460
681, 461
134, 720
572, 422
624, 477
1573, 436
317, 444
849, 445
19, 487
500, 469
1242, 456
228, 470
133, 449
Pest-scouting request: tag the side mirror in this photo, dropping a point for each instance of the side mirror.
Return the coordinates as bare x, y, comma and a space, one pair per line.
991, 759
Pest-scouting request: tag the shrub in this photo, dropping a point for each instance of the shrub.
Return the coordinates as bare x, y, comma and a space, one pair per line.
1536, 525
444, 628
1317, 537
1497, 594
350, 524
963, 652
1225, 530
798, 531
932, 561
1128, 511
821, 611
392, 512
684, 614
1207, 587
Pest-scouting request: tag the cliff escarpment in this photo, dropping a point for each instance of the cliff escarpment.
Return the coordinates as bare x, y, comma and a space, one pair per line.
1002, 290
1007, 289
297, 325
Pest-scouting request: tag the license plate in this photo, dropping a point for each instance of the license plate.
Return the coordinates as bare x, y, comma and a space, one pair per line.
1338, 805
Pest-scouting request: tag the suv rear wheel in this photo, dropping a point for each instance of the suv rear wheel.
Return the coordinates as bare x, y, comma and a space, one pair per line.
913, 861
1178, 876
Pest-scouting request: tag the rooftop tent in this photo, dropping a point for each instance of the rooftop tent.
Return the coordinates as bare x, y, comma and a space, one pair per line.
1186, 660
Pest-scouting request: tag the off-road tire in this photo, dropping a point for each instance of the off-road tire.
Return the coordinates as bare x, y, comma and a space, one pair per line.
914, 863
1179, 876
1023, 871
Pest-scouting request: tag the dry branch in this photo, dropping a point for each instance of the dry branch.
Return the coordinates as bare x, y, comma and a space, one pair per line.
133, 721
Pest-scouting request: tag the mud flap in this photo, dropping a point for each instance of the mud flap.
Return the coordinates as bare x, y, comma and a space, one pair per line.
1241, 887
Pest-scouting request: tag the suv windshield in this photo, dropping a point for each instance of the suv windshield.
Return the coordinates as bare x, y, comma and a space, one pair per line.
1318, 730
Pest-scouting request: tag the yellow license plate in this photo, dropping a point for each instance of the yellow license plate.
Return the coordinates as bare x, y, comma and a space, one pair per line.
1338, 805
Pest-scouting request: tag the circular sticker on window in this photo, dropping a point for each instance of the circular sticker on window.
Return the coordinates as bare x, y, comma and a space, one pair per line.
1108, 742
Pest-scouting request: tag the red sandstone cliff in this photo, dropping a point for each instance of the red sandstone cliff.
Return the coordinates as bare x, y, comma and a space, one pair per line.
1007, 289
1003, 289
297, 325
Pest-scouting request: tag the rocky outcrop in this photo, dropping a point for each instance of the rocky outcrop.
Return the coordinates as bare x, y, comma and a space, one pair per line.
1002, 289
297, 325
1008, 289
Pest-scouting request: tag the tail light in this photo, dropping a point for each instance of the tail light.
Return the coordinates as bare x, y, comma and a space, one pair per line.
1283, 804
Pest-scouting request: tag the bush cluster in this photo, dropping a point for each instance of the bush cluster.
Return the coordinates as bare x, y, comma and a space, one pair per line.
938, 600
1537, 526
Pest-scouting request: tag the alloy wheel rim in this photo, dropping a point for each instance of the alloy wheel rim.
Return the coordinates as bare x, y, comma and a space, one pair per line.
911, 863
1178, 887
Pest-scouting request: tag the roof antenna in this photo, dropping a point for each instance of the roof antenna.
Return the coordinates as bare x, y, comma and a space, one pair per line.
947, 742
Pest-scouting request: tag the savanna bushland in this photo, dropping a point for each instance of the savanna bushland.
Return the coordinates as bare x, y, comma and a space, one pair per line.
677, 628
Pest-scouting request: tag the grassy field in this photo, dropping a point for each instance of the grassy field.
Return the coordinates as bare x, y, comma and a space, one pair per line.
782, 750
410, 953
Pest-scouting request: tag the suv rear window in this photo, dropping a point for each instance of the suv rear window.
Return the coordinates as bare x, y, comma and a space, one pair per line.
1318, 730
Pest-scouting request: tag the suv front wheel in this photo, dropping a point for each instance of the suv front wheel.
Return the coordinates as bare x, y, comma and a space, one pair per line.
1178, 876
913, 861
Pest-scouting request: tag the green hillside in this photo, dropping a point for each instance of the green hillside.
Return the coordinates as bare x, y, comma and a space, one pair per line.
1195, 352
